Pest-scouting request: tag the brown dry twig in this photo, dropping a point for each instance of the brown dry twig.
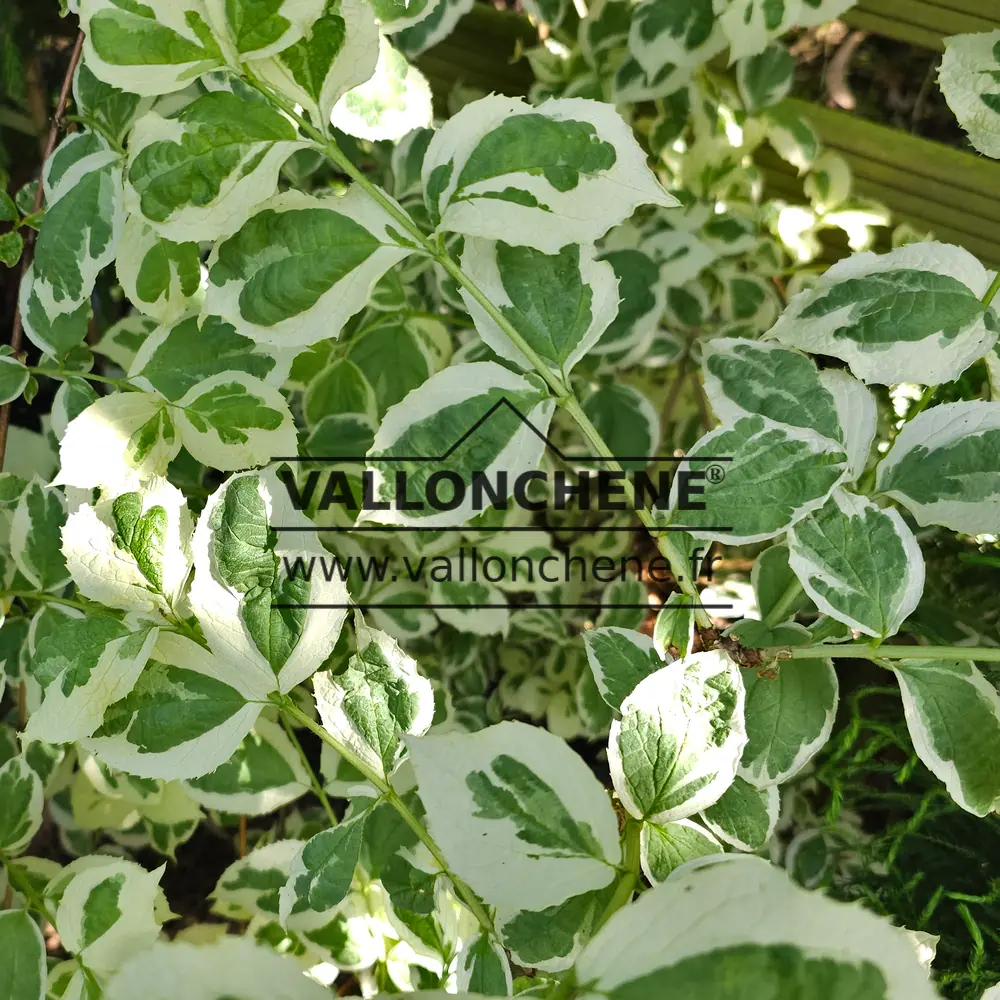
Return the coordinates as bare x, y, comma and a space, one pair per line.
837, 85
17, 331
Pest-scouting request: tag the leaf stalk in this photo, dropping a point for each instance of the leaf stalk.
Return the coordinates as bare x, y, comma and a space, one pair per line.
557, 382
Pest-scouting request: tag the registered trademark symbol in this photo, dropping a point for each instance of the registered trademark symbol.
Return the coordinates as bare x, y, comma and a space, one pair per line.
715, 474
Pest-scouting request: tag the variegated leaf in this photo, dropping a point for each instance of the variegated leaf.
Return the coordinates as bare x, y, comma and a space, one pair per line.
620, 659
199, 173
377, 700
750, 24
160, 278
321, 873
337, 54
234, 421
519, 816
107, 910
131, 551
745, 816
394, 101
675, 32
807, 937
777, 475
564, 172
210, 347
264, 774
561, 304
84, 667
466, 419
78, 237
859, 563
21, 804
944, 467
912, 315
789, 717
118, 443
249, 593
35, 531
22, 956
187, 714
970, 81
256, 29
156, 47
676, 748
231, 967
953, 714
301, 267
664, 848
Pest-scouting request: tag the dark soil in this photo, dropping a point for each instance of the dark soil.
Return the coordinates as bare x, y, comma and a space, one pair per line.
891, 83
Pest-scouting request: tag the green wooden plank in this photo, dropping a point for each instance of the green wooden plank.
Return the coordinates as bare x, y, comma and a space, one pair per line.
845, 132
941, 192
984, 8
924, 23
902, 31
976, 235
931, 15
932, 213
923, 215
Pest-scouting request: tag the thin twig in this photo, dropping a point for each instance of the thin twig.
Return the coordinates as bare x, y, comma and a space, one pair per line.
925, 88
837, 85
674, 391
243, 836
702, 401
17, 330
317, 786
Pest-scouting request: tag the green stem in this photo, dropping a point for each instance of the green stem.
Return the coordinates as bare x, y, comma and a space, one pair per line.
399, 215
31, 595
991, 292
60, 373
287, 707
317, 785
554, 380
664, 542
452, 319
468, 896
631, 852
33, 220
25, 888
566, 987
181, 627
921, 404
780, 612
990, 654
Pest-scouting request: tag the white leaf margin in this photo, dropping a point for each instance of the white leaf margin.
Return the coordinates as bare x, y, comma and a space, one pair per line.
581, 215
661, 691
217, 606
487, 853
930, 361
326, 318
906, 599
743, 900
204, 753
479, 263
449, 387
937, 428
